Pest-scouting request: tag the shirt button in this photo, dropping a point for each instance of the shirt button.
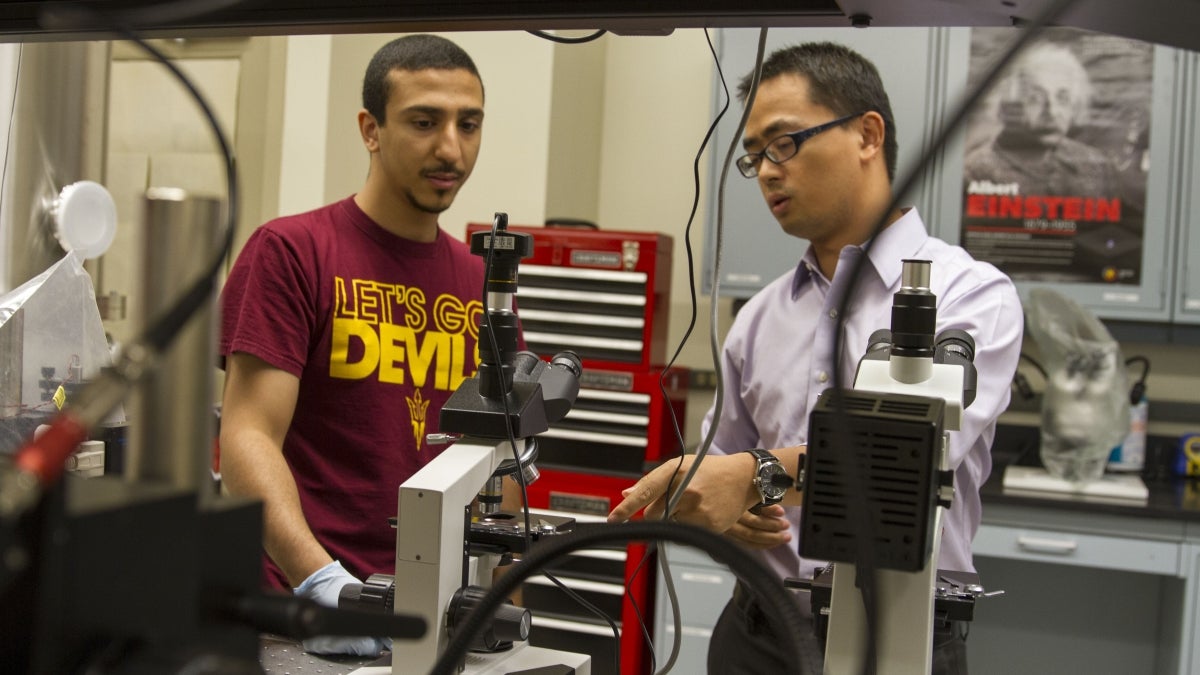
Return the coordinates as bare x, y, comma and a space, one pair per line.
822, 377
833, 313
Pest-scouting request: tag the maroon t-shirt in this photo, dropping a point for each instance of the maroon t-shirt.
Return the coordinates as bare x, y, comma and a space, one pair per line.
380, 330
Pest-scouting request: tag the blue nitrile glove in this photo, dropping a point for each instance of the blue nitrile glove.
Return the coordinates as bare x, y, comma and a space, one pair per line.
324, 586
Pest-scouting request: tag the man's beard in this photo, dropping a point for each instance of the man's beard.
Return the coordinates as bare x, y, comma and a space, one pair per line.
426, 207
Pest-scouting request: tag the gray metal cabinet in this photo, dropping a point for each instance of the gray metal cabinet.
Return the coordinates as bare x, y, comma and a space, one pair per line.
1150, 298
926, 72
1188, 603
1187, 246
1084, 592
755, 249
702, 587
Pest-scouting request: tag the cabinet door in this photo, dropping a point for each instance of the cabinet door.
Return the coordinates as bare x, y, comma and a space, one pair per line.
1187, 250
1077, 602
702, 587
1189, 634
755, 248
1135, 120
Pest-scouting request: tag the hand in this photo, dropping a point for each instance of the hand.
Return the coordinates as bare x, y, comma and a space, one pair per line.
718, 495
763, 530
323, 586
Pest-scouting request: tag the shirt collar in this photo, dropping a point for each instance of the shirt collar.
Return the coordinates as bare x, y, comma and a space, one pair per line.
898, 241
805, 271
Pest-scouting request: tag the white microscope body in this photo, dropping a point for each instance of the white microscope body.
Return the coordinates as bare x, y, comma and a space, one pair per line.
430, 540
514, 396
905, 599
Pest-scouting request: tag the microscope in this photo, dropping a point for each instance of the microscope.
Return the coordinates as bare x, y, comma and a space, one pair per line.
446, 554
875, 481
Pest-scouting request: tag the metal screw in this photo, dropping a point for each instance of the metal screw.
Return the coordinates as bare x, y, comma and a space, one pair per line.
441, 439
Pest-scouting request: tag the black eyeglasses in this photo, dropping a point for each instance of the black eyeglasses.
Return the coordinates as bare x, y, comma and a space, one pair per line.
785, 147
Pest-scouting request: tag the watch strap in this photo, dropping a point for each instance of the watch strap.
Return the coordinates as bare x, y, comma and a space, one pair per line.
762, 456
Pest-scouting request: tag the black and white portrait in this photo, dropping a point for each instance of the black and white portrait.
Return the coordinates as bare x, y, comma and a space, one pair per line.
1057, 155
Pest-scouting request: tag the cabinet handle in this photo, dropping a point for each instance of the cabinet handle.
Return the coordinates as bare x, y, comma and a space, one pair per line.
1042, 545
702, 578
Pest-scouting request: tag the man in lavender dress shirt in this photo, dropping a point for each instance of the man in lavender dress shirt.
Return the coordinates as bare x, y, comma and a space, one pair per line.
821, 141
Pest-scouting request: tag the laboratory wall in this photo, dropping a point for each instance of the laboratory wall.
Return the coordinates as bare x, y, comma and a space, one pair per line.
609, 131
606, 131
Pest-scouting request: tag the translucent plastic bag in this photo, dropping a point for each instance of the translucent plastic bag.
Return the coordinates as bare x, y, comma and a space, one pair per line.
51, 344
1085, 409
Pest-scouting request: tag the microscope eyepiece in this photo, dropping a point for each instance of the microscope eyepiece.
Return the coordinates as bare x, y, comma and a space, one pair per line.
956, 346
524, 363
914, 312
569, 360
956, 341
915, 274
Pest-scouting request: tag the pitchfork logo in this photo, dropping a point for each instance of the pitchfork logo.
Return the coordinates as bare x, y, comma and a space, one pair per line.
417, 405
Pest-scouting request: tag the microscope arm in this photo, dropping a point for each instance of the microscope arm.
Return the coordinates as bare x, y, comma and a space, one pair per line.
906, 599
430, 538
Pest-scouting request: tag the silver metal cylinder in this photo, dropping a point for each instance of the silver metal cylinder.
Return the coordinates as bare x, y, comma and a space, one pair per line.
531, 473
499, 301
915, 274
173, 421
491, 496
57, 138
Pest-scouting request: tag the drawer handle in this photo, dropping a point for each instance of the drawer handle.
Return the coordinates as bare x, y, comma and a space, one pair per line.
702, 578
1042, 545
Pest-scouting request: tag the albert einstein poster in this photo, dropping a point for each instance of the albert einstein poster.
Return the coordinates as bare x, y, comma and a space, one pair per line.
1057, 155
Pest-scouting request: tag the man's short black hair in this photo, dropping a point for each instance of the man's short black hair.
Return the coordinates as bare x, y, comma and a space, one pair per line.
411, 52
840, 79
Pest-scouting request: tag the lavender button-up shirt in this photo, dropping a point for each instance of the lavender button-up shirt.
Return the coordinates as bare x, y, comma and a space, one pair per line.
778, 357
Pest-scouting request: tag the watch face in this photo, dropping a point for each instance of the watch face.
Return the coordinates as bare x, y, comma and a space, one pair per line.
768, 489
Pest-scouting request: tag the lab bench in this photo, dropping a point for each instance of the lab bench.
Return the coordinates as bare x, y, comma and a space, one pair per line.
1088, 587
1095, 587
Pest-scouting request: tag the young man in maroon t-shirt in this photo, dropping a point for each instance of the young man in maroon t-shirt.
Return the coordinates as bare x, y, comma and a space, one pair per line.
345, 329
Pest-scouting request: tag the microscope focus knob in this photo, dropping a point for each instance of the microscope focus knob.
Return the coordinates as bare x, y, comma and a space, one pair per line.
376, 594
509, 623
512, 623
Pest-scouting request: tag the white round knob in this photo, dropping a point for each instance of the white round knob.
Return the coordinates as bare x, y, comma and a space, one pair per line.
85, 218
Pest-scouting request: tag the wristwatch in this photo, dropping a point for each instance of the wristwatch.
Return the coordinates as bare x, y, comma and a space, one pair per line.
770, 478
